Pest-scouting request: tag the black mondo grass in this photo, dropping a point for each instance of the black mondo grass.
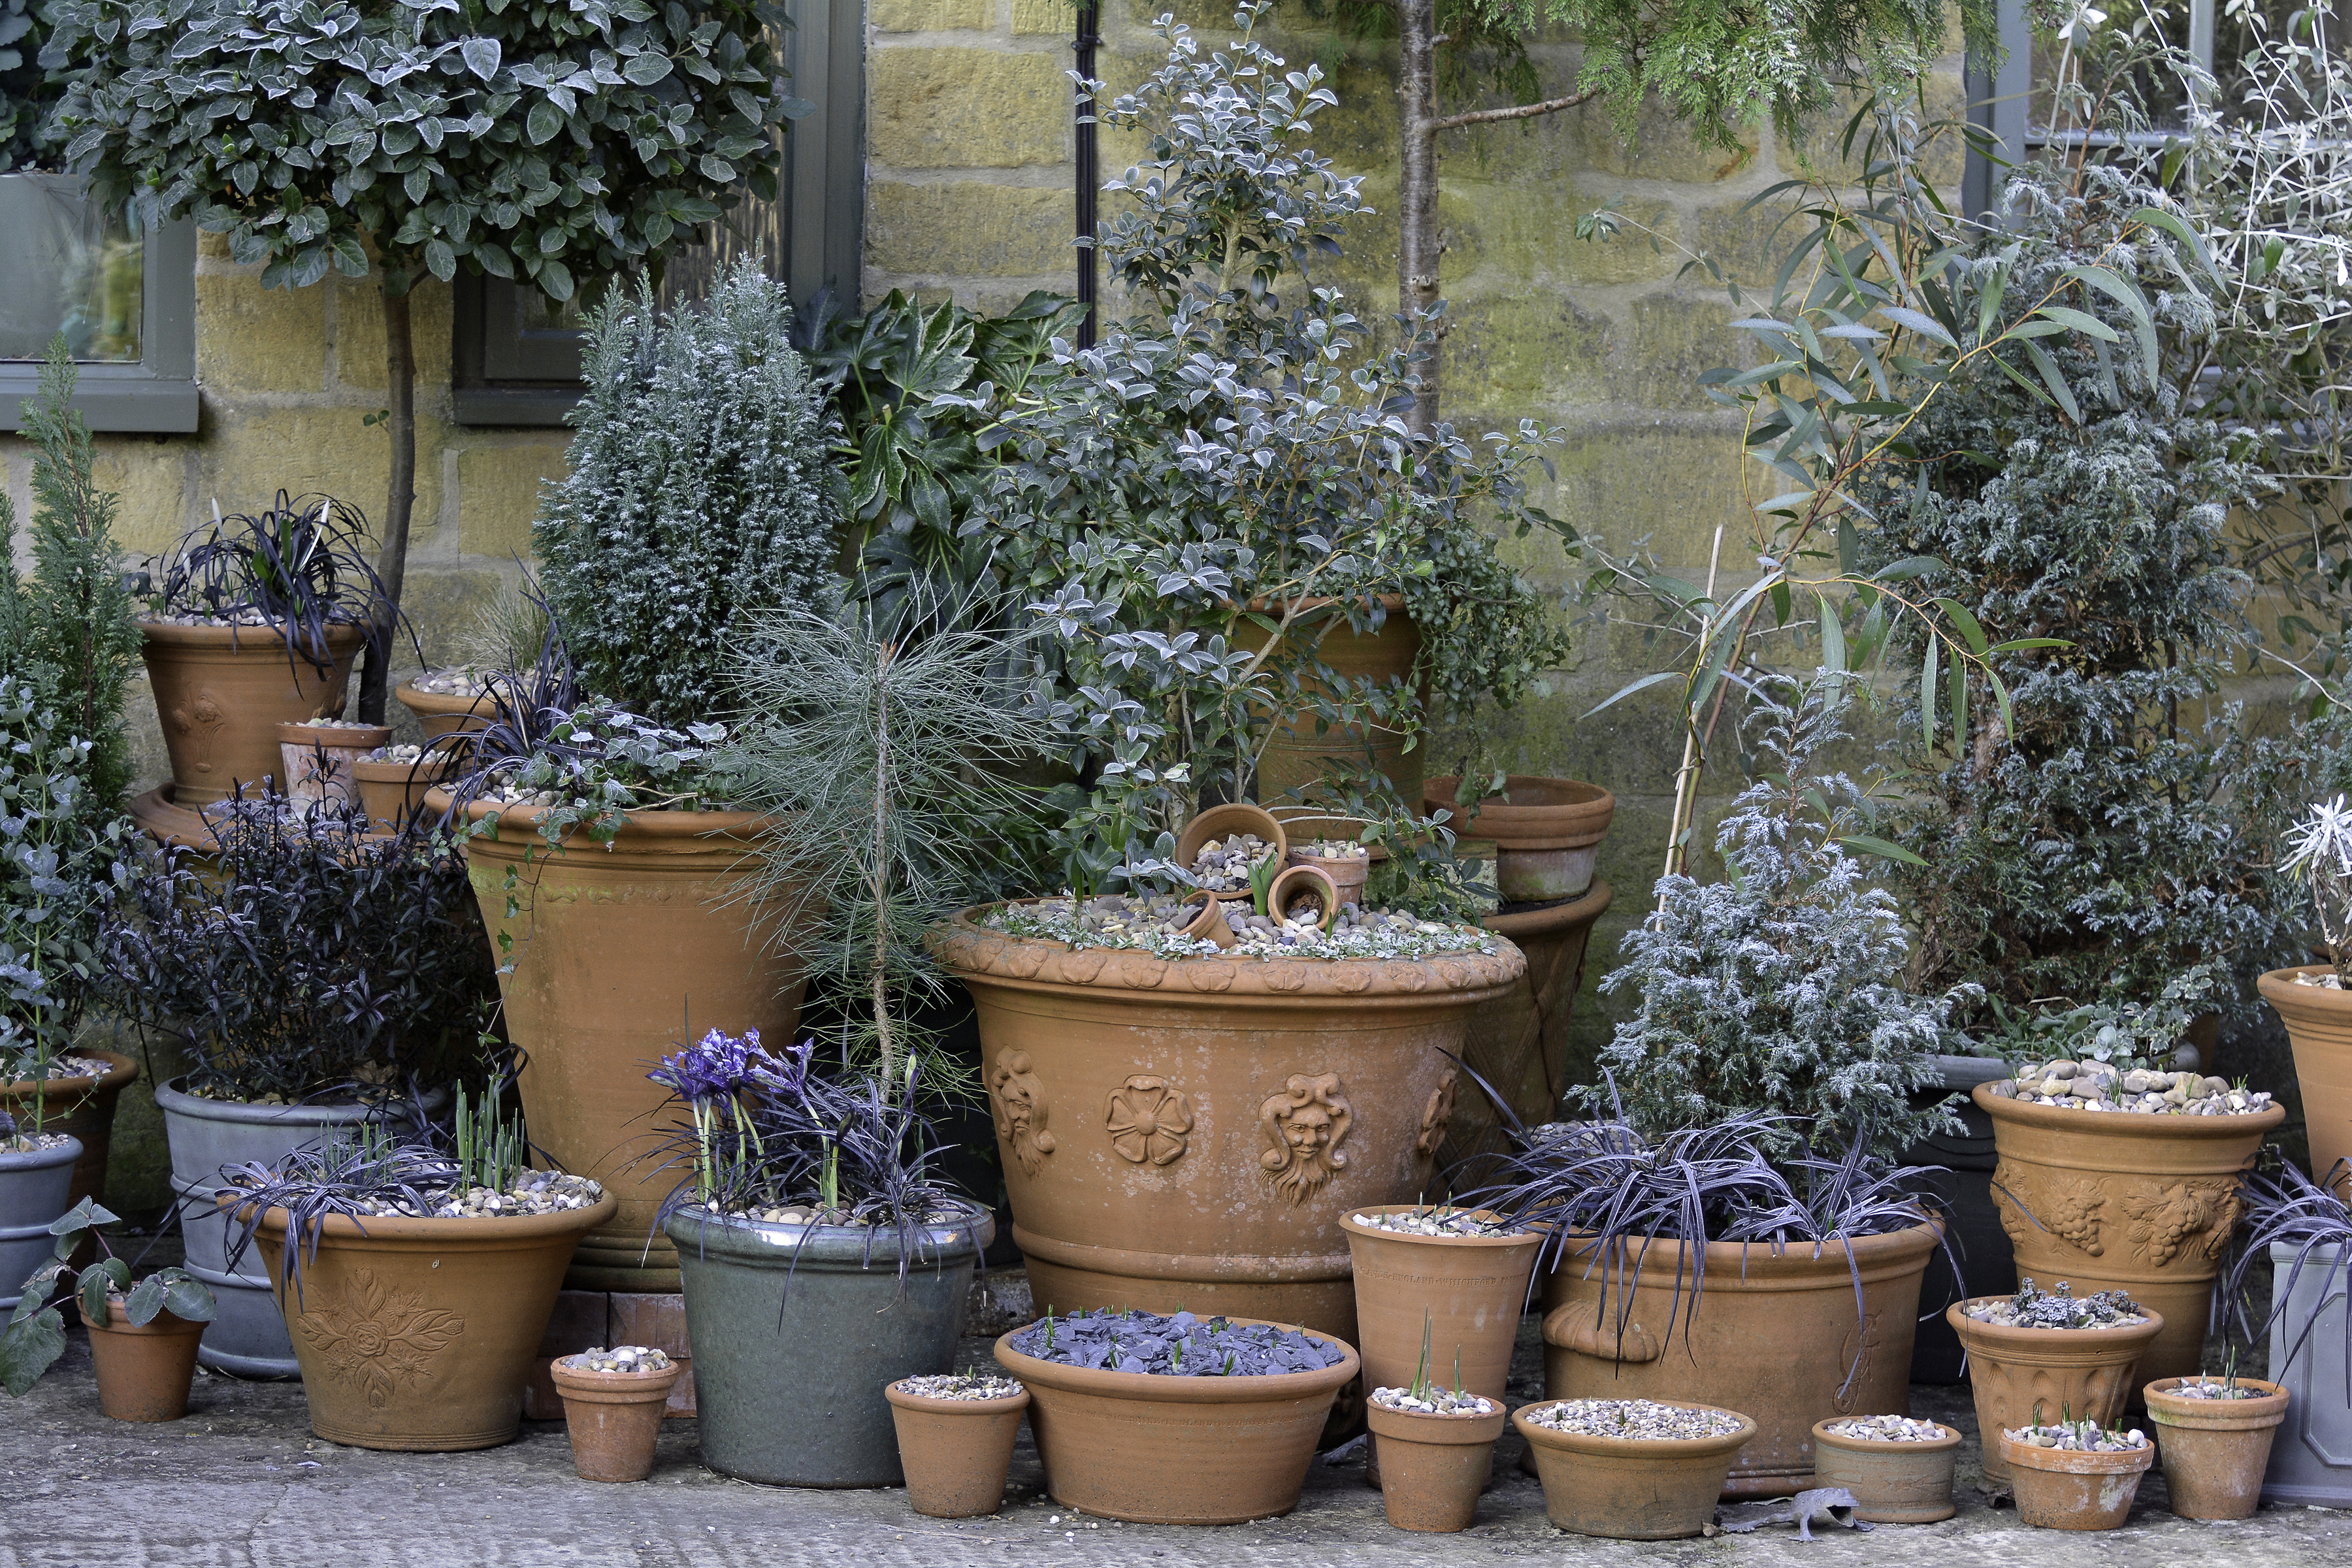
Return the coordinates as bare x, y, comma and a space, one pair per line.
2293, 1211
299, 564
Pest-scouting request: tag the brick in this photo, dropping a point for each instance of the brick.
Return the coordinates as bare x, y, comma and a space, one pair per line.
932, 15
498, 493
247, 455
967, 109
969, 229
1034, 17
1662, 147
251, 339
153, 481
359, 332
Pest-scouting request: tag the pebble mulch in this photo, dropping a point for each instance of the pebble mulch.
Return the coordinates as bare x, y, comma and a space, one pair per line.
2032, 1307
620, 1358
32, 1143
394, 755
1356, 934
1438, 1222
242, 618
1224, 865
64, 1067
1436, 1402
2081, 1437
326, 723
454, 681
1641, 1420
1183, 1345
1331, 849
1888, 1429
959, 1385
2099, 1086
534, 1192
2211, 1388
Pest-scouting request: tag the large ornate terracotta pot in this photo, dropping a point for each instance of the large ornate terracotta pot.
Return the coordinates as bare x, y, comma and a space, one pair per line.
2124, 1201
2319, 1027
221, 693
1774, 1337
620, 953
1189, 1132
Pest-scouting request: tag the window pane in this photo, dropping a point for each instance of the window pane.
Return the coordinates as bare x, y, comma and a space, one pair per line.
2243, 27
65, 267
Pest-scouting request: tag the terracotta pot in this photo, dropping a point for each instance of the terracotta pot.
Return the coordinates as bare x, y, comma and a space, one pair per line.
418, 1334
1472, 1290
1547, 834
621, 953
1210, 924
2215, 1450
2023, 1375
444, 714
1518, 1041
1631, 1490
1176, 1450
143, 1371
2320, 1028
1774, 1336
957, 1452
317, 758
82, 1108
221, 693
2062, 1488
1891, 1483
395, 792
1348, 873
1293, 756
1188, 1132
2120, 1201
1222, 822
613, 1418
1300, 883
1432, 1466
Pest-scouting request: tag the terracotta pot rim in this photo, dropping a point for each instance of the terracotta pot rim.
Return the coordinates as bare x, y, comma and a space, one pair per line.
1307, 872
2129, 1337
123, 1070
1845, 1445
657, 825
971, 949
419, 700
365, 736
1459, 1429
1165, 1389
472, 1233
268, 640
65, 1153
2280, 982
164, 1323
2266, 1409
1202, 827
1565, 824
1000, 1405
2128, 1124
654, 1385
1528, 1237
1635, 1447
1728, 1260
2075, 1461
1591, 906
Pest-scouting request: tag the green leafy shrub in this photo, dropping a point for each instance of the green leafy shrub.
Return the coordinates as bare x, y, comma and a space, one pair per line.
698, 493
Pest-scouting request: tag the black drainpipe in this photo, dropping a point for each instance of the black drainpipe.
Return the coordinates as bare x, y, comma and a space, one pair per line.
1089, 19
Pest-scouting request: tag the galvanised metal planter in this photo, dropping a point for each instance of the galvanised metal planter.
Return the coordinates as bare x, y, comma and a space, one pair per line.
34, 1190
795, 1330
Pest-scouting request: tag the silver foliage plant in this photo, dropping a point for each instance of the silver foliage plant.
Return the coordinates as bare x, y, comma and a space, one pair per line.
1780, 989
2319, 856
698, 494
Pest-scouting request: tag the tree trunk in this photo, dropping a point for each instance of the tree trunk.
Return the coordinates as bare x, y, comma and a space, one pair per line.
1419, 244
391, 561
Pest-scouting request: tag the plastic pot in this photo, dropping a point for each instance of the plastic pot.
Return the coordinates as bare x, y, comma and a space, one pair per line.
1625, 1489
2215, 1450
613, 1418
2062, 1488
1432, 1466
34, 1191
2020, 1376
143, 1371
1891, 1483
222, 692
956, 1452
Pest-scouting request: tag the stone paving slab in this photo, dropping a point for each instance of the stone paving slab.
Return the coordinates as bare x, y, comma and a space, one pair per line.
241, 1483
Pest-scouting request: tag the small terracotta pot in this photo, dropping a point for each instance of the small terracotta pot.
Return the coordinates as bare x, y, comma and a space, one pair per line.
1626, 1490
1547, 834
1177, 1450
143, 1372
1222, 822
2320, 1028
2060, 1489
1211, 924
1432, 1466
1891, 1483
444, 713
2023, 1375
1469, 1289
317, 758
1348, 874
613, 1418
956, 1452
395, 792
222, 692
1298, 882
2215, 1450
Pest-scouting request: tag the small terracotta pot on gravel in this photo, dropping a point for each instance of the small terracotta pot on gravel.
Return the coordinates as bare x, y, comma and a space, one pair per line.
1209, 923
1891, 1483
2020, 1376
2065, 1488
1433, 1467
2215, 1450
1625, 1489
1349, 873
318, 759
956, 1452
143, 1372
613, 1418
1224, 822
1310, 881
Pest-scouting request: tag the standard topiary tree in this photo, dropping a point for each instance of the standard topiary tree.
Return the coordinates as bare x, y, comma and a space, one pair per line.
698, 493
550, 144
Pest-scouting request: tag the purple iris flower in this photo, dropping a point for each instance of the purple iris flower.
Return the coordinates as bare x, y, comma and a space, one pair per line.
787, 1074
716, 1066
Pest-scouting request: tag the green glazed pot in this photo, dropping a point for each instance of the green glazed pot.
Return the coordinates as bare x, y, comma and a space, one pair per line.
788, 1381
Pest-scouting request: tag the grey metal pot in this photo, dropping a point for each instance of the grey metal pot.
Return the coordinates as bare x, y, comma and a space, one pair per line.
248, 1337
34, 1189
788, 1383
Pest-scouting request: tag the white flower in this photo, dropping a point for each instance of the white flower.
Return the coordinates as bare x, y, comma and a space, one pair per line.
2089, 16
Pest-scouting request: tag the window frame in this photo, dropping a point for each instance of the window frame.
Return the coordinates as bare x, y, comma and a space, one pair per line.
155, 395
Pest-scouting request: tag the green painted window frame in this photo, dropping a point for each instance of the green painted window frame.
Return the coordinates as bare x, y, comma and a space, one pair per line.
504, 372
157, 394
